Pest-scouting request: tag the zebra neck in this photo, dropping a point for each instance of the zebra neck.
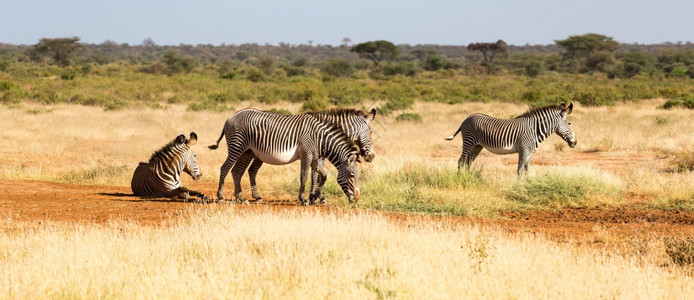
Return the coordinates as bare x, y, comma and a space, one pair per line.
169, 163
331, 148
543, 128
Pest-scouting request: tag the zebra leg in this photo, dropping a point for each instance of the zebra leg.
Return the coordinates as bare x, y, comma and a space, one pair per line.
236, 146
306, 162
319, 175
463, 161
185, 193
523, 161
252, 172
473, 154
237, 172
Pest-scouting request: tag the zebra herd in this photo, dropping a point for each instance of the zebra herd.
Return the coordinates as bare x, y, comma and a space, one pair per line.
342, 136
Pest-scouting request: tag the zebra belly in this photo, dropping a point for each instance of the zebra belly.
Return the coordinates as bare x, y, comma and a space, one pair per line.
502, 150
278, 158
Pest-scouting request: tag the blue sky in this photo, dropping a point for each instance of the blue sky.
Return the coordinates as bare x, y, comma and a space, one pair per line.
173, 22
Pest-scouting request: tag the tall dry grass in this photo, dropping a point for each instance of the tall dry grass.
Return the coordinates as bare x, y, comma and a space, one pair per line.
305, 254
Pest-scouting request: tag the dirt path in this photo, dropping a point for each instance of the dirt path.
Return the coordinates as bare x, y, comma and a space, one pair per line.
37, 201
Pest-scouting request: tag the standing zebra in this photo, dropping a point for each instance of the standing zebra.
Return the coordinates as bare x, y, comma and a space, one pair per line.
521, 135
161, 176
278, 139
355, 123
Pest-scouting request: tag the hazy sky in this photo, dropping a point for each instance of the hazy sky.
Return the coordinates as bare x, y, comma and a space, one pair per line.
173, 22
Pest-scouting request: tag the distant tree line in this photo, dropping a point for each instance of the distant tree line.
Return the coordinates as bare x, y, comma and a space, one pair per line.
588, 53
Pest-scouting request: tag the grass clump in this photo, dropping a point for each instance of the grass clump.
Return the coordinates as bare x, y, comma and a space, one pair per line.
683, 162
567, 188
680, 251
427, 189
100, 173
411, 117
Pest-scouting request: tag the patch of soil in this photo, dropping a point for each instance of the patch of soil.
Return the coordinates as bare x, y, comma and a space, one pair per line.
36, 201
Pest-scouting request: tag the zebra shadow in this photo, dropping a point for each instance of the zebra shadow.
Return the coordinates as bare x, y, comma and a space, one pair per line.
135, 198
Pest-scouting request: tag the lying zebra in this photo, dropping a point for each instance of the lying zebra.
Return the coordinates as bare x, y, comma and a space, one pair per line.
161, 176
521, 135
355, 123
278, 139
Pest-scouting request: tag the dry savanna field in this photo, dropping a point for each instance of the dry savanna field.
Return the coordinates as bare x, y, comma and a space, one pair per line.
611, 218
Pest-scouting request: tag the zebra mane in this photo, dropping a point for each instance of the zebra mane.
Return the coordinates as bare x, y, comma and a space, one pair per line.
536, 110
338, 112
161, 153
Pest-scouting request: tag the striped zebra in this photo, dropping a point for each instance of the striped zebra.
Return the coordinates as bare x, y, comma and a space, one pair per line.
161, 176
521, 135
355, 123
278, 139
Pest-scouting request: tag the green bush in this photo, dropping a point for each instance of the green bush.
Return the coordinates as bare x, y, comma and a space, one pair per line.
337, 68
315, 105
412, 117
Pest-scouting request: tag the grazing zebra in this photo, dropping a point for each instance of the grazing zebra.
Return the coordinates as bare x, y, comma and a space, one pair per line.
161, 176
278, 139
521, 135
355, 123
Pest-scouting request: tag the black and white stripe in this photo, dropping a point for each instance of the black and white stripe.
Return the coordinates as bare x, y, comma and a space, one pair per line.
279, 139
521, 135
161, 176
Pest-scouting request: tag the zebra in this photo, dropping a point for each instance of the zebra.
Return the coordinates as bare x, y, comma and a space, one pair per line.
521, 135
355, 123
278, 139
161, 176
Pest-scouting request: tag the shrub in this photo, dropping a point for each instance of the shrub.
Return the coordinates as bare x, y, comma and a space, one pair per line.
403, 68
413, 117
338, 68
314, 105
281, 111
680, 251
210, 105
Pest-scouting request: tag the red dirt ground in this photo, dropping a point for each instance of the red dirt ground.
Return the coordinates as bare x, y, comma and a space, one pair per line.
38, 201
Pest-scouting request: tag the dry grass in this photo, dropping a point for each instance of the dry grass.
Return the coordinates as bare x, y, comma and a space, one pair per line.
223, 253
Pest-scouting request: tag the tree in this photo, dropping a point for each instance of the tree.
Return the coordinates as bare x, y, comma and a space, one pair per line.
346, 41
489, 50
582, 46
148, 42
60, 49
376, 51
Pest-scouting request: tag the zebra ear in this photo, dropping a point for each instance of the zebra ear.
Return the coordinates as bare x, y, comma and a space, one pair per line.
371, 115
562, 106
571, 108
180, 139
193, 139
351, 159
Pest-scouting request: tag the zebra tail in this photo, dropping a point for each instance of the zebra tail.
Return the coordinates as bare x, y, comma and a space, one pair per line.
453, 136
215, 146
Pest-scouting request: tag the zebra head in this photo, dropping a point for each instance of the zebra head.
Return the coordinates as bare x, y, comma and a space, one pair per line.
564, 127
348, 178
364, 137
190, 165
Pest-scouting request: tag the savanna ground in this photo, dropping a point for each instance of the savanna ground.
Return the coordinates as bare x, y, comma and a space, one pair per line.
600, 220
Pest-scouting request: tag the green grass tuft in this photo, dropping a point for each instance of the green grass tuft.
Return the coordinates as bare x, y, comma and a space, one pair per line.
567, 188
